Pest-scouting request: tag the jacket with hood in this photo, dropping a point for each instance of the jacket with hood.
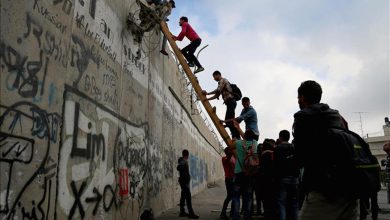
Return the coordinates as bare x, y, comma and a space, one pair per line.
310, 129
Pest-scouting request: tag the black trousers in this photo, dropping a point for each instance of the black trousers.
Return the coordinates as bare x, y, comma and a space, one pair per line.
230, 109
185, 197
189, 50
230, 190
365, 205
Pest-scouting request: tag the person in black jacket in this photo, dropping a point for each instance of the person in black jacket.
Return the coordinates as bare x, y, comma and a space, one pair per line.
324, 199
184, 181
286, 177
267, 177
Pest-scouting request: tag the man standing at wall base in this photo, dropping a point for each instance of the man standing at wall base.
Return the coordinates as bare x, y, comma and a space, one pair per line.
184, 181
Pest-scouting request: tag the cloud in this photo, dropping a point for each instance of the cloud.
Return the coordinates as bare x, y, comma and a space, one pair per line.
269, 47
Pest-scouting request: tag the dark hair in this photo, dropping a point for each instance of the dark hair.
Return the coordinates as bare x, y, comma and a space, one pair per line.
216, 72
184, 18
311, 91
185, 153
249, 135
268, 144
284, 135
245, 99
227, 150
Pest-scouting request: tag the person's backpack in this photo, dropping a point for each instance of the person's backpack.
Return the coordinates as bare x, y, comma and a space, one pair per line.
353, 169
236, 92
285, 160
267, 164
251, 160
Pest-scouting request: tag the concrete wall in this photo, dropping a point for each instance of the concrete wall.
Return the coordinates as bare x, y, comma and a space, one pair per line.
87, 130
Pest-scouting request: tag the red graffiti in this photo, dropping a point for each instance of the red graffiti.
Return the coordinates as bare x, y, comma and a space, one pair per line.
123, 181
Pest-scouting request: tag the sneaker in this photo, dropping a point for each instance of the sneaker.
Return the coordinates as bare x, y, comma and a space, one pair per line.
164, 52
199, 69
183, 214
193, 216
191, 64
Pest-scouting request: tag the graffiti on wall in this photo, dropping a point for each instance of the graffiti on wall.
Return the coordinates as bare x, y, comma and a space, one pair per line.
28, 134
198, 170
104, 159
87, 161
27, 74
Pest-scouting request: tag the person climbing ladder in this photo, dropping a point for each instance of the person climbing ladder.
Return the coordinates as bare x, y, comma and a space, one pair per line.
189, 50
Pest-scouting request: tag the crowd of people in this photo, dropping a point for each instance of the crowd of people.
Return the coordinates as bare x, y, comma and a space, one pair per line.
293, 180
289, 180
293, 177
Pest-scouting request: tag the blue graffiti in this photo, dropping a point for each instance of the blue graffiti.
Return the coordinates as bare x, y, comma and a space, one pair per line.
198, 170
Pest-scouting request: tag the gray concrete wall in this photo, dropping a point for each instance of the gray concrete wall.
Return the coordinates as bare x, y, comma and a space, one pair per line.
87, 130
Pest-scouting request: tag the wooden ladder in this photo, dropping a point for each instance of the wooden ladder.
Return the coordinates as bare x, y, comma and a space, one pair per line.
221, 129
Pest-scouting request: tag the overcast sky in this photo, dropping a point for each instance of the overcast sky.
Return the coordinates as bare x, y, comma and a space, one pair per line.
268, 47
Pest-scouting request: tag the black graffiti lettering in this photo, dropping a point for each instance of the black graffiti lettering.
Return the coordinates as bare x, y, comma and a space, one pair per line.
91, 87
106, 30
133, 59
29, 85
107, 205
40, 120
37, 29
111, 98
95, 199
79, 20
98, 143
95, 142
51, 17
16, 151
14, 61
94, 36
26, 79
44, 75
48, 203
80, 58
66, 7
75, 150
109, 80
55, 49
77, 202
87, 83
27, 215
95, 89
92, 8
13, 146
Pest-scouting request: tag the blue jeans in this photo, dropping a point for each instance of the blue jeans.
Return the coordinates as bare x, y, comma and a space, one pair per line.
287, 198
242, 185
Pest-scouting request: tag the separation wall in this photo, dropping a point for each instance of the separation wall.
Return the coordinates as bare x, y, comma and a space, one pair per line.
88, 131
